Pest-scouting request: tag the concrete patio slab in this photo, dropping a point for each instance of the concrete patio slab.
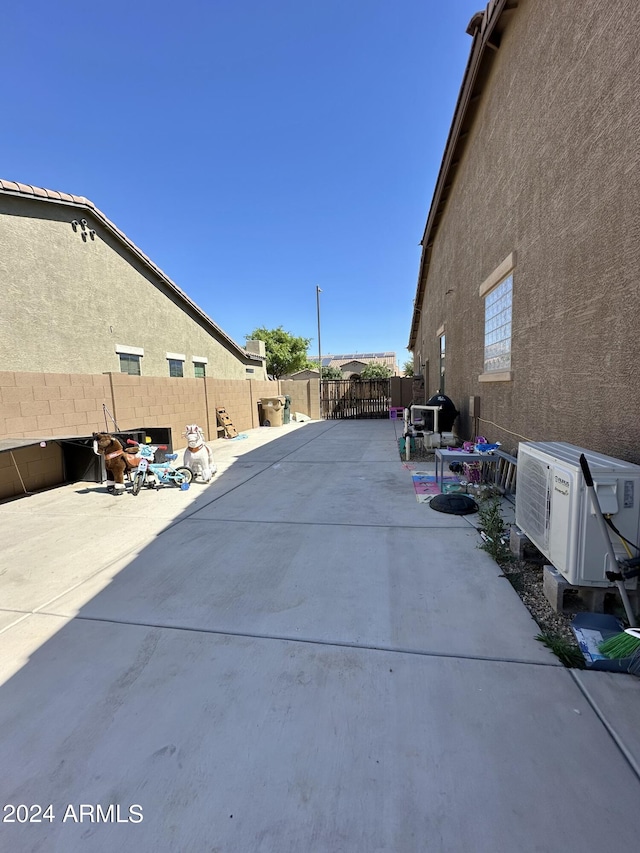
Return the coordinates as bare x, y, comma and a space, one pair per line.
288, 436
298, 657
150, 509
371, 493
40, 561
356, 450
238, 744
403, 591
10, 617
616, 699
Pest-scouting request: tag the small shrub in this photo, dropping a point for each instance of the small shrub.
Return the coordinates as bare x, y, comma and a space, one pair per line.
493, 530
570, 655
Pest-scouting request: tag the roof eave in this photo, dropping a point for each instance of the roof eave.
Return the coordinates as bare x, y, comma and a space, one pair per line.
482, 27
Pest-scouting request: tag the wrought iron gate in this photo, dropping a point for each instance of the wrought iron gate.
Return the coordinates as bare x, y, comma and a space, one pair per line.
355, 398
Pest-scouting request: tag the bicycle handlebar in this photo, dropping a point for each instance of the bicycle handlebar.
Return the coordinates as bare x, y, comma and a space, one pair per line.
157, 446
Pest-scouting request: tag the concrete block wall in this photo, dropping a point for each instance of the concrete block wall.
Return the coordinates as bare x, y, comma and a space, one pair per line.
45, 404
304, 396
41, 405
237, 399
36, 467
159, 402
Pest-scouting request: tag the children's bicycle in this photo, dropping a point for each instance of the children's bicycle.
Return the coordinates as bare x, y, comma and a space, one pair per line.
152, 474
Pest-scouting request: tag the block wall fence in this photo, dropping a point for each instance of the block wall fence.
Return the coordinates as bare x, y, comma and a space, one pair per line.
56, 405
44, 405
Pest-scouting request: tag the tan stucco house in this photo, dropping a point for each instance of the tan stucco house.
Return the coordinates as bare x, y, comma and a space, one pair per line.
307, 373
352, 368
80, 297
527, 308
352, 363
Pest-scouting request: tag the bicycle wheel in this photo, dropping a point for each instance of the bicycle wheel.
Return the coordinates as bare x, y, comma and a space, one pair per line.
138, 482
184, 475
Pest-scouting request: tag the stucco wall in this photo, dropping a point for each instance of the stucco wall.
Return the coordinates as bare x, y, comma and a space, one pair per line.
69, 300
550, 172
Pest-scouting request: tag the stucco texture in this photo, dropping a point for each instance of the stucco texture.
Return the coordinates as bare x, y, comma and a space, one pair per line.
549, 172
72, 296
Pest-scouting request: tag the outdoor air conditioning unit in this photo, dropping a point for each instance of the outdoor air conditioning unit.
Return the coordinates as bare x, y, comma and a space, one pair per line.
554, 511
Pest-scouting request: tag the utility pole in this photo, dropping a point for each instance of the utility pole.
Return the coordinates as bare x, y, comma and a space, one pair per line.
318, 292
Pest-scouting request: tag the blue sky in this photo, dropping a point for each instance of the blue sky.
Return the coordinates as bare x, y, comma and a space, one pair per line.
252, 148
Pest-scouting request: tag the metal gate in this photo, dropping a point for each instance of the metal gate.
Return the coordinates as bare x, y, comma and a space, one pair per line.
355, 398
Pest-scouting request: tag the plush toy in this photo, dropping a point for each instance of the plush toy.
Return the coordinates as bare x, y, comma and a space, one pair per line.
198, 455
116, 460
485, 447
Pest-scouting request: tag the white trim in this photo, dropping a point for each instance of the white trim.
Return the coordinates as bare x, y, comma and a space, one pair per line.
440, 331
199, 359
498, 376
123, 349
176, 356
500, 272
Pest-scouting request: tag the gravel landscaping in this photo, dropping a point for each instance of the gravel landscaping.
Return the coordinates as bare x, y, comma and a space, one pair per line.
526, 579
526, 576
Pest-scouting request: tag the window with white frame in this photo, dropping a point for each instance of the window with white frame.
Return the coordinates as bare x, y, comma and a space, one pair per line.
130, 359
497, 292
199, 366
129, 364
176, 363
497, 327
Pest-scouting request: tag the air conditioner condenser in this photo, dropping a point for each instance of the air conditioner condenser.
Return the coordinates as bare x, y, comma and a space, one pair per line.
554, 511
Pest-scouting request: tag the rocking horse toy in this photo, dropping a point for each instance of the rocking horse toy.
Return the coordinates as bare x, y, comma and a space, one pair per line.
198, 455
116, 460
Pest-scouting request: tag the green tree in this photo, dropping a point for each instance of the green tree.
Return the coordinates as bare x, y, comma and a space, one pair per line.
327, 372
407, 368
331, 373
286, 353
375, 371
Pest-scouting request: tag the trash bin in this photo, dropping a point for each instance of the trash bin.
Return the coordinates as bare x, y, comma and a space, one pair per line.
272, 411
286, 414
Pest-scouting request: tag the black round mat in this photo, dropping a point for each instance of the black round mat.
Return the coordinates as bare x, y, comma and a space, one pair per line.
454, 504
